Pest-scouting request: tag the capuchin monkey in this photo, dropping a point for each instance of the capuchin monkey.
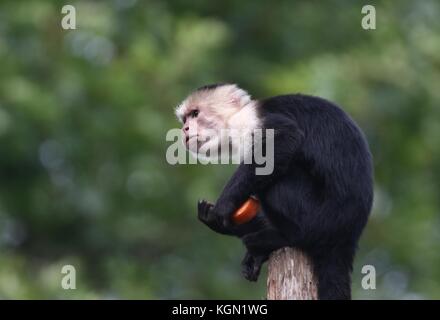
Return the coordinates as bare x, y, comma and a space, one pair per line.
319, 195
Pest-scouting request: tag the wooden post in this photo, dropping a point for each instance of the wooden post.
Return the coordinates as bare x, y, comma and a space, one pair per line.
290, 276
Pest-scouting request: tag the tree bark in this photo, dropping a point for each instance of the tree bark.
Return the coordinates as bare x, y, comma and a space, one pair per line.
290, 276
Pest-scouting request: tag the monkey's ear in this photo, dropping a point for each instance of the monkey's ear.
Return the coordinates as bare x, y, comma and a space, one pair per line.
240, 97
235, 101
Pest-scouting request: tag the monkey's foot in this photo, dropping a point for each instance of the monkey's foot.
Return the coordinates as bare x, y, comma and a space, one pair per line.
251, 266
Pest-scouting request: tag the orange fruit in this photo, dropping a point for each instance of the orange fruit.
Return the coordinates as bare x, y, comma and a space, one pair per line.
247, 211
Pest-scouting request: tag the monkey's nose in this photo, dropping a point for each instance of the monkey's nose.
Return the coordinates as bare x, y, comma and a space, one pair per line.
186, 128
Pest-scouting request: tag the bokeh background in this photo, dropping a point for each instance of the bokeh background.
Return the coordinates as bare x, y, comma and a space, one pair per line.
84, 113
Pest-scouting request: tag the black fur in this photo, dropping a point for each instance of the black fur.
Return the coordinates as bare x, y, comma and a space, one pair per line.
318, 198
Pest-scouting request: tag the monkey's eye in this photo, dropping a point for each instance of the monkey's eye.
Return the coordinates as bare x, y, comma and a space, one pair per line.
194, 113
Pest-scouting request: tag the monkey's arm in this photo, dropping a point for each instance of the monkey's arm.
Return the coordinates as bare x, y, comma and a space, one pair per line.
245, 182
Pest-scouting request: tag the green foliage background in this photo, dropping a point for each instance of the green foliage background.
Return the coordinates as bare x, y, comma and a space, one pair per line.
84, 113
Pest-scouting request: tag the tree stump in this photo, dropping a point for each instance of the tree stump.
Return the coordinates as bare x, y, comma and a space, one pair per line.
290, 276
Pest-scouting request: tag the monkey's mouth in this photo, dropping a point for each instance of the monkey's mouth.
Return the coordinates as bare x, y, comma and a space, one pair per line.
195, 141
189, 139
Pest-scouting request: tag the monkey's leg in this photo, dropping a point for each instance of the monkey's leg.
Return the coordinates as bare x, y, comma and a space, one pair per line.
251, 266
264, 241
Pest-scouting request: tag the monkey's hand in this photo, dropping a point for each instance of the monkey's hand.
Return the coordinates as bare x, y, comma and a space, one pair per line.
224, 209
208, 216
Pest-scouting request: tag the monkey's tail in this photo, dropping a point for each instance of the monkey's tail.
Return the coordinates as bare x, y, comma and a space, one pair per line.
333, 269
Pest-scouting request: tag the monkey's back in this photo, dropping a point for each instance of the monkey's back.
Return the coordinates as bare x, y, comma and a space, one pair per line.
334, 150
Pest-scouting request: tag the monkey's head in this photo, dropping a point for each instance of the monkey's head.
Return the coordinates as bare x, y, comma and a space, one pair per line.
208, 112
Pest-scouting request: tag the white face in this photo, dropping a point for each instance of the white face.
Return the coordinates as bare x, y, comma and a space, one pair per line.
201, 130
207, 115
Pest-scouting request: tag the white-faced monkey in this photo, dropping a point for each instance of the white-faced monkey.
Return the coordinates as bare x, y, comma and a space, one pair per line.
319, 195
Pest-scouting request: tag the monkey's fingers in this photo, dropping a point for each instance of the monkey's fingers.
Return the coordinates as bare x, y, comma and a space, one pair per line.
203, 208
